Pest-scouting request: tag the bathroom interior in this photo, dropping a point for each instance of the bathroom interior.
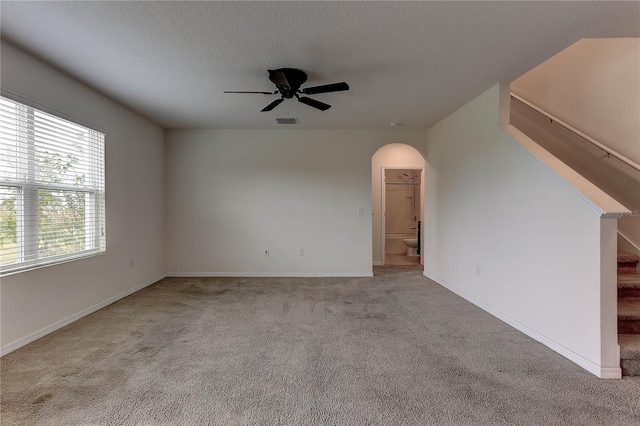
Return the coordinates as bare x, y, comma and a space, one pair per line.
402, 216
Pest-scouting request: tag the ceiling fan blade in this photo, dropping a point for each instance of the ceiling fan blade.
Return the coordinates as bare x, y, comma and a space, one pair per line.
335, 87
264, 93
279, 79
313, 103
272, 105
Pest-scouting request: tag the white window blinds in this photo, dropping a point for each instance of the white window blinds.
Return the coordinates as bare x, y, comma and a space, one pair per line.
51, 189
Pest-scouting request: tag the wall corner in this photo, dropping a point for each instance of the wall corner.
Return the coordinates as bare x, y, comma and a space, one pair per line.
504, 104
609, 353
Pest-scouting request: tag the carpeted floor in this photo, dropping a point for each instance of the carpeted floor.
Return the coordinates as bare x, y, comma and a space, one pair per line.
392, 349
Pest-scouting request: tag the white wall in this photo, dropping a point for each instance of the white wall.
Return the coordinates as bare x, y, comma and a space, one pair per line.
507, 232
231, 194
612, 176
594, 85
39, 301
391, 155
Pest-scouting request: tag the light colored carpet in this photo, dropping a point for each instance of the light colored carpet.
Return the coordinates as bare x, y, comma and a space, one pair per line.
392, 349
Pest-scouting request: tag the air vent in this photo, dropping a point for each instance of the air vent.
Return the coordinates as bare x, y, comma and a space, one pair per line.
292, 120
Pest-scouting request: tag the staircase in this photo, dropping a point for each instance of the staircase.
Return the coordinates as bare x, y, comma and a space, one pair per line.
629, 313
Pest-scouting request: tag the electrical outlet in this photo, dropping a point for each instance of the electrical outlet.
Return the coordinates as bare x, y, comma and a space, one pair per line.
266, 252
130, 263
478, 270
360, 211
301, 252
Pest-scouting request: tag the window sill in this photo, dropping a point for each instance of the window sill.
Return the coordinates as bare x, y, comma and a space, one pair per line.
51, 262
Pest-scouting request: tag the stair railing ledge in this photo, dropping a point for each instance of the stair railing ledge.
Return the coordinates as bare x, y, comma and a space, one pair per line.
578, 133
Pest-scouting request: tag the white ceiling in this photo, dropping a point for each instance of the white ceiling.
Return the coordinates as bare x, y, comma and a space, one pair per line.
409, 62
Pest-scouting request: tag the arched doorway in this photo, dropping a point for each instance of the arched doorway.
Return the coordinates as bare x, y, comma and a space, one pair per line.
397, 183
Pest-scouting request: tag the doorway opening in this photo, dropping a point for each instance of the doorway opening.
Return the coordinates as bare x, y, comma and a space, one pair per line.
402, 203
398, 205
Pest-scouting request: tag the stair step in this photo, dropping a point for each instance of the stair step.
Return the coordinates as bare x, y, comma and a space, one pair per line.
629, 354
628, 257
629, 317
627, 263
628, 286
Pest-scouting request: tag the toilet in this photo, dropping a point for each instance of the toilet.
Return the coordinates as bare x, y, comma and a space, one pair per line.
412, 246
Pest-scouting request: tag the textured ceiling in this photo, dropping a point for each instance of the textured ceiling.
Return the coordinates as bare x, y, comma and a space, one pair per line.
408, 62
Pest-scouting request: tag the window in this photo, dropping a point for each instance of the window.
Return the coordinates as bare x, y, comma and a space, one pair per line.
51, 189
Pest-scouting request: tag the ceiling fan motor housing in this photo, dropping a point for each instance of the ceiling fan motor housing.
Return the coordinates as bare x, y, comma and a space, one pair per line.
288, 80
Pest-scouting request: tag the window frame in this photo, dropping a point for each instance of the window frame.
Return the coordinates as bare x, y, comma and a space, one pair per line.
28, 190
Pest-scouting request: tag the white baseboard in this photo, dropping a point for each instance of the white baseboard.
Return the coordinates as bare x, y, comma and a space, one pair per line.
272, 274
591, 367
608, 372
58, 325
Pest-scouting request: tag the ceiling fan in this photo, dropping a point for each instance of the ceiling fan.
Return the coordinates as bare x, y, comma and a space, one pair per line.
288, 82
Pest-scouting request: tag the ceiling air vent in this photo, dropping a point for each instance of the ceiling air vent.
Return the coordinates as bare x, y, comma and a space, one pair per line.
292, 120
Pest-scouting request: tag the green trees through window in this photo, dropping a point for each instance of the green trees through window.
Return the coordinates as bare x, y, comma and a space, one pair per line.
8, 226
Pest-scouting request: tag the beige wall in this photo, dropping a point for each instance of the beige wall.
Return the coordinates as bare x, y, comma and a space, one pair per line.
231, 194
594, 86
508, 232
37, 302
